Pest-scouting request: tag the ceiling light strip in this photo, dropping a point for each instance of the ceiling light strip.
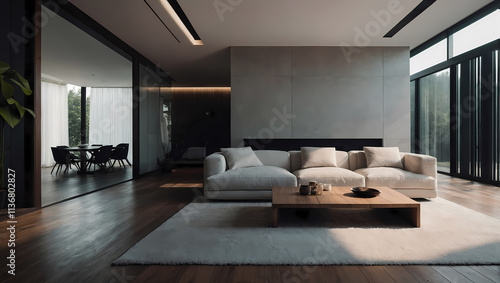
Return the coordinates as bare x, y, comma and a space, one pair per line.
145, 1
410, 17
175, 11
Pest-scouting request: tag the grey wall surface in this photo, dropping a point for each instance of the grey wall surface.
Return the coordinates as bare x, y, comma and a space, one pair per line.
321, 92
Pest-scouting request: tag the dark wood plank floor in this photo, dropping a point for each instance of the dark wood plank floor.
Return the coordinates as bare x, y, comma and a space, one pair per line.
63, 186
77, 240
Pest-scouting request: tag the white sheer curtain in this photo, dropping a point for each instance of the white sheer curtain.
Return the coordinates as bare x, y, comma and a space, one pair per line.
54, 120
110, 121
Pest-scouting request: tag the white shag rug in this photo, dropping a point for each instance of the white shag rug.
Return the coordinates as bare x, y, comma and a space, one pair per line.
220, 233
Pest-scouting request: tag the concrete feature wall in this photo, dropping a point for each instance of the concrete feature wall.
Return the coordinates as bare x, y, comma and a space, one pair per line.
321, 92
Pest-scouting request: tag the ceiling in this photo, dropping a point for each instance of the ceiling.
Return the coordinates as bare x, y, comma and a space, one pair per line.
225, 23
71, 56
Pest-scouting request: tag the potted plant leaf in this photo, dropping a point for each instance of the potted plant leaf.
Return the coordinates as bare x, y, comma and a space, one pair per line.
11, 113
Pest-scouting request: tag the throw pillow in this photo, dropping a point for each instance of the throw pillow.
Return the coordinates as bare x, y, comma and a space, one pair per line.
318, 157
383, 157
240, 157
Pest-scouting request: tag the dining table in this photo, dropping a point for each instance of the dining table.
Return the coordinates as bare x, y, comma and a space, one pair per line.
83, 155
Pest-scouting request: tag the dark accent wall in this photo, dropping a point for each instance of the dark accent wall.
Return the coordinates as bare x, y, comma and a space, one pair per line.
296, 144
200, 118
17, 48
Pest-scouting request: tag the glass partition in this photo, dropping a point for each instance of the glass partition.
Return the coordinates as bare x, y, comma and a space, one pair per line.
86, 99
151, 148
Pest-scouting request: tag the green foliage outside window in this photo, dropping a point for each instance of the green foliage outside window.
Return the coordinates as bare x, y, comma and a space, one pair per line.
74, 116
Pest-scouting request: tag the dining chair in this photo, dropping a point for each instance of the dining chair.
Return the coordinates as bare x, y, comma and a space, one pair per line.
91, 154
101, 157
62, 157
74, 158
119, 154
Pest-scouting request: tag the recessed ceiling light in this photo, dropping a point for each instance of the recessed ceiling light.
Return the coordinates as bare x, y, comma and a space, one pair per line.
410, 17
175, 11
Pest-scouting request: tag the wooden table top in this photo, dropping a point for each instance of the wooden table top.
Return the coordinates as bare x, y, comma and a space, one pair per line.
339, 197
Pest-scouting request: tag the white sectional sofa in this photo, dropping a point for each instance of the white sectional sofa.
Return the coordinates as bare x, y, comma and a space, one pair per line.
416, 177
248, 182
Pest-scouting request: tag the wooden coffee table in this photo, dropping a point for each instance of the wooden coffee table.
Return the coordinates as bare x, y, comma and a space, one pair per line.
342, 197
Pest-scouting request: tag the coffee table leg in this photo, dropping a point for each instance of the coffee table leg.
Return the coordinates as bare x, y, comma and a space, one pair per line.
415, 216
275, 217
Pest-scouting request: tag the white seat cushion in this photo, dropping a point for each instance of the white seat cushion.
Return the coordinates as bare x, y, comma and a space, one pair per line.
395, 178
329, 175
252, 178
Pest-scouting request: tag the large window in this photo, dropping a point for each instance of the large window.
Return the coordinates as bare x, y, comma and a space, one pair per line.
413, 116
434, 117
429, 57
477, 117
496, 118
477, 34
456, 103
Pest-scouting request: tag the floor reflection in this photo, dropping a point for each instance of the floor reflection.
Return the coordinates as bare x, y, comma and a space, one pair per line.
63, 186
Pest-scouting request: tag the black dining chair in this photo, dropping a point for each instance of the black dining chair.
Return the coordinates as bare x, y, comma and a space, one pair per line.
91, 154
101, 157
119, 154
61, 158
74, 158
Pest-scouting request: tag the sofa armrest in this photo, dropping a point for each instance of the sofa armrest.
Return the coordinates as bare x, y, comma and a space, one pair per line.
421, 164
214, 164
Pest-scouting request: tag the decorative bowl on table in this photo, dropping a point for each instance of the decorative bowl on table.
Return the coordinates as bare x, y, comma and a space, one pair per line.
82, 145
365, 192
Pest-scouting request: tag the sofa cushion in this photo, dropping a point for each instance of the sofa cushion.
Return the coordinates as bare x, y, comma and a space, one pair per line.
252, 178
276, 158
396, 178
329, 175
318, 157
240, 157
341, 157
383, 157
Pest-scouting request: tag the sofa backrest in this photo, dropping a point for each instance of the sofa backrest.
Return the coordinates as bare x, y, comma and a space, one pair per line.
276, 158
296, 159
357, 159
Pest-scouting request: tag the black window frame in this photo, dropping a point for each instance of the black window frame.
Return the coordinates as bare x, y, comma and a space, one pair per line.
482, 160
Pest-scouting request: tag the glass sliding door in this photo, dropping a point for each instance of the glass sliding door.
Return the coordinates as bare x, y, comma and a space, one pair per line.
434, 117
